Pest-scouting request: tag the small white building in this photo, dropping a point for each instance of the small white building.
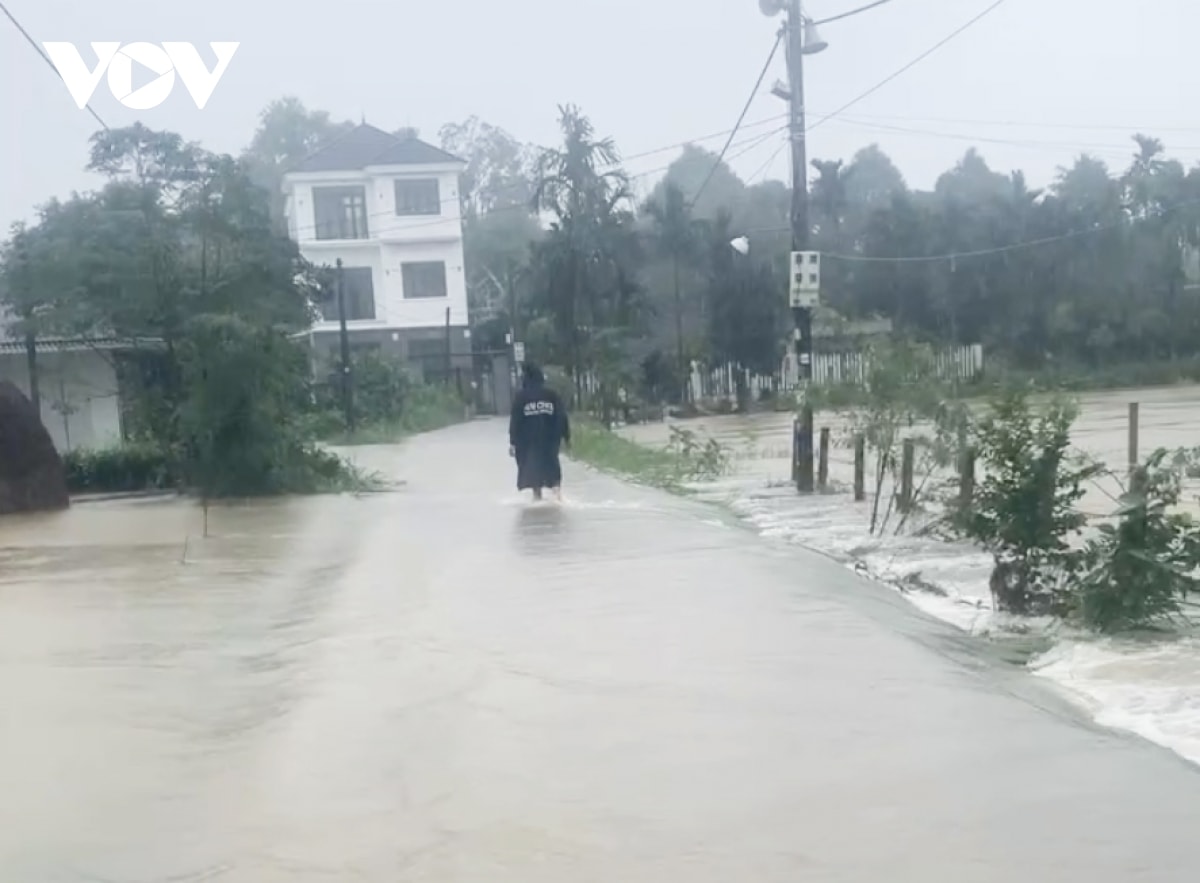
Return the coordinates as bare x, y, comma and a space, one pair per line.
77, 386
388, 208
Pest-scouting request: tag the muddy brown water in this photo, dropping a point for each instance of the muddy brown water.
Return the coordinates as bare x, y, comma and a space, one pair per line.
447, 684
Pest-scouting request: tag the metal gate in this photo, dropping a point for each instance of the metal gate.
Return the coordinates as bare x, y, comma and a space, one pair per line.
492, 382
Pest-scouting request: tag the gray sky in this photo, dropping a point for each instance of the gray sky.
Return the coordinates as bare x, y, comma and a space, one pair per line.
1075, 74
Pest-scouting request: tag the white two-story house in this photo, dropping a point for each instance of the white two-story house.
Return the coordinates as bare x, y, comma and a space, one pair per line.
388, 207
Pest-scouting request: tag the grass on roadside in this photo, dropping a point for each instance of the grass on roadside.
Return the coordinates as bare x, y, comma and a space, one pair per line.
434, 410
684, 459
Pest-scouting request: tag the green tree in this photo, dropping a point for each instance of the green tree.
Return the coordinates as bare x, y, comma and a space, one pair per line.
287, 133
500, 226
501, 172
178, 250
585, 269
1026, 510
747, 319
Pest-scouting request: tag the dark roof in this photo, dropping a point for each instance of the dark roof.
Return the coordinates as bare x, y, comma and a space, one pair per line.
73, 344
366, 145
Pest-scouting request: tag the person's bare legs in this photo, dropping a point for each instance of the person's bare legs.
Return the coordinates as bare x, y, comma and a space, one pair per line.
537, 493
557, 493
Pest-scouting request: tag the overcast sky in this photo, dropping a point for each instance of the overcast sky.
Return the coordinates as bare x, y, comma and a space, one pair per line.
1033, 84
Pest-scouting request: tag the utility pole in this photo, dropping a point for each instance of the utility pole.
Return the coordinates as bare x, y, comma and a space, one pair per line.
802, 439
449, 361
31, 361
347, 384
685, 380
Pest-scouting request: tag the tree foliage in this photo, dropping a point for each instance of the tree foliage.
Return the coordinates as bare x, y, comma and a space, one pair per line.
177, 254
1141, 570
585, 268
745, 311
287, 133
1094, 270
1083, 273
1025, 512
500, 225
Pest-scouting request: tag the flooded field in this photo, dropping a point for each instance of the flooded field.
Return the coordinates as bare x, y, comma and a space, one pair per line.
1148, 687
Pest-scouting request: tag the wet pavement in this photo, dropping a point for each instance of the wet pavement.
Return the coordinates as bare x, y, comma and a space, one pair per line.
448, 684
1146, 683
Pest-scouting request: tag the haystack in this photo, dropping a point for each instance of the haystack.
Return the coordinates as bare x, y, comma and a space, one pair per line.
32, 478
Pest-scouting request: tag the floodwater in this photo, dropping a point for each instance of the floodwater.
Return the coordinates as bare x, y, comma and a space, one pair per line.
449, 684
1147, 685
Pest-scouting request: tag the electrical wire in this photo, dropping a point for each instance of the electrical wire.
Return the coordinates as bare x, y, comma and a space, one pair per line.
866, 8
770, 159
746, 109
444, 219
731, 133
680, 144
757, 139
46, 58
928, 52
953, 257
757, 142
984, 139
1022, 123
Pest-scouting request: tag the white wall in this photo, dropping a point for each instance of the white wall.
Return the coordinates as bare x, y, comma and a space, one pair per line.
363, 253
382, 220
394, 241
80, 407
385, 224
419, 312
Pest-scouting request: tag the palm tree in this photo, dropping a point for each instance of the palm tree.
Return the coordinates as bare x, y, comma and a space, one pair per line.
581, 185
677, 238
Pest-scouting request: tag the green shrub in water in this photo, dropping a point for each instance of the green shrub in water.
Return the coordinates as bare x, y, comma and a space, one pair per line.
134, 466
1141, 570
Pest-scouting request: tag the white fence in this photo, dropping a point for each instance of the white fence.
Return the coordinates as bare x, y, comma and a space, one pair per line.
953, 363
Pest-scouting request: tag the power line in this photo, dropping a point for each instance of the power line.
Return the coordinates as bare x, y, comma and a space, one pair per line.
928, 52
1026, 123
866, 8
1000, 249
46, 58
984, 139
763, 168
678, 144
757, 142
746, 109
753, 142
977, 253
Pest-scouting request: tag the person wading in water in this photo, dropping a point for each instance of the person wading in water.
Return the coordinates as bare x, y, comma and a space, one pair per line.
537, 428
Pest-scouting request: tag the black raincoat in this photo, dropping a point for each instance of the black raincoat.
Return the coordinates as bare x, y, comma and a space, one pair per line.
537, 428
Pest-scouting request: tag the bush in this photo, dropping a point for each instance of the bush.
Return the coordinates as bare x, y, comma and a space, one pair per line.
382, 387
134, 466
245, 389
1025, 508
388, 405
1143, 569
432, 407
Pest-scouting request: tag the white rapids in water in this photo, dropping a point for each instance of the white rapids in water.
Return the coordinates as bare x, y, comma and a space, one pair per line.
1147, 686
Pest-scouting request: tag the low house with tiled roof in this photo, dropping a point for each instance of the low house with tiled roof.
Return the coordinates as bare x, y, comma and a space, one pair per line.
387, 207
77, 387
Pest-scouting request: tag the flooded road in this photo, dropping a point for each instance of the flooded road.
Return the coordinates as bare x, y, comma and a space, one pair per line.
447, 684
1148, 684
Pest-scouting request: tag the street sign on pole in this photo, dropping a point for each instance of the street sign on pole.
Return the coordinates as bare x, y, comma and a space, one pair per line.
519, 353
804, 289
